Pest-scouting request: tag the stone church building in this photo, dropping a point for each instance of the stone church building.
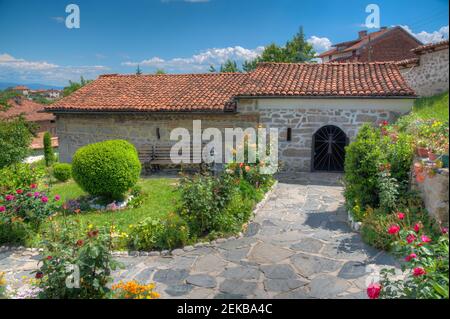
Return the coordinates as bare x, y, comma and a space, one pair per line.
317, 108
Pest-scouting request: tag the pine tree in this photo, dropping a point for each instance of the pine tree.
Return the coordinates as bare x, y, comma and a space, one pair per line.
212, 69
138, 70
229, 66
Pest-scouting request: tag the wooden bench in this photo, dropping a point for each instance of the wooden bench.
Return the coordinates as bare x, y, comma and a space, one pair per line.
157, 155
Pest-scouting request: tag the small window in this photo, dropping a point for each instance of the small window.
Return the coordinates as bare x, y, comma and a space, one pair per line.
158, 133
289, 134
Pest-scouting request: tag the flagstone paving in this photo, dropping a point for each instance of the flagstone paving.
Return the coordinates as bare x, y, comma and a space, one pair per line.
299, 245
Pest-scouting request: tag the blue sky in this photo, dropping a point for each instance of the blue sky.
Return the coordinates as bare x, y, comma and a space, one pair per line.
181, 35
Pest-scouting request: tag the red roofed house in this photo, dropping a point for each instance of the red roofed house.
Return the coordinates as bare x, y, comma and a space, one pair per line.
32, 112
387, 44
316, 107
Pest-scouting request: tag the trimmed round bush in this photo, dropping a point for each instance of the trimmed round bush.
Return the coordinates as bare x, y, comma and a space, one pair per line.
108, 169
62, 171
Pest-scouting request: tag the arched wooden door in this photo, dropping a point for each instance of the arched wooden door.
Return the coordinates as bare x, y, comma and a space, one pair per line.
329, 149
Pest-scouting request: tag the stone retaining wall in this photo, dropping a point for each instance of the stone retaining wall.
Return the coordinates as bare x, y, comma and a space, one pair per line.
430, 77
434, 192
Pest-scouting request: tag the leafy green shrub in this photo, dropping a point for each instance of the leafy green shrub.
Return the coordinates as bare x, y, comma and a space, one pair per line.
64, 250
362, 160
159, 233
175, 234
14, 233
15, 137
107, 169
204, 198
62, 171
146, 234
19, 176
49, 156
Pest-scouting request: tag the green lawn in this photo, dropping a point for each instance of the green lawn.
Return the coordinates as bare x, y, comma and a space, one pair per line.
434, 107
160, 198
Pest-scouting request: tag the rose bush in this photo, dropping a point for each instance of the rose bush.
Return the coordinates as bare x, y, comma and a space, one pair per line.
426, 264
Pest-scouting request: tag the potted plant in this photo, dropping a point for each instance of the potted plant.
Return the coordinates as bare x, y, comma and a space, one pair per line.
422, 150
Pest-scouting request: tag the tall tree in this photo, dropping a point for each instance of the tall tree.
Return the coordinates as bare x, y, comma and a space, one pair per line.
73, 86
229, 66
296, 50
138, 70
160, 71
5, 96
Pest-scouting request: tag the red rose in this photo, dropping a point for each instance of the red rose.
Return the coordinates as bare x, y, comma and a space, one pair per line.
49, 257
410, 238
33, 186
80, 243
39, 275
373, 291
410, 257
444, 230
394, 229
419, 271
400, 215
417, 227
2, 209
425, 239
19, 191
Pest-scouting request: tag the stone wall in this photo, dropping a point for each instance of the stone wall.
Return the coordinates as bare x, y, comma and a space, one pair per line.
304, 120
75, 130
434, 192
430, 77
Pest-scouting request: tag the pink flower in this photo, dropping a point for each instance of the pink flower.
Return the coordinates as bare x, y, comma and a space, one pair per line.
9, 197
33, 186
444, 230
2, 209
37, 194
394, 229
29, 194
410, 257
19, 191
417, 227
44, 199
425, 239
57, 197
419, 271
373, 291
410, 238
400, 215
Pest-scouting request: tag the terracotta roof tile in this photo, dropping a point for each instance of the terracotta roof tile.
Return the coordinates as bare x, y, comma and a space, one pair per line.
215, 92
167, 92
32, 111
328, 79
431, 47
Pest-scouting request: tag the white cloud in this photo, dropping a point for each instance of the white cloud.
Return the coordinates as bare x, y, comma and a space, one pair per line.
320, 44
20, 70
429, 37
200, 62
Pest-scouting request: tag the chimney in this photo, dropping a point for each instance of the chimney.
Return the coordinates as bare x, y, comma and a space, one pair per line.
362, 34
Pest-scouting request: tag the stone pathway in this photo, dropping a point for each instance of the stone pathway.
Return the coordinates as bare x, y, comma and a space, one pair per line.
298, 246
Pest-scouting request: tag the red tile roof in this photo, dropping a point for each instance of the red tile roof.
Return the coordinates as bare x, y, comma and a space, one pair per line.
217, 91
31, 110
167, 92
328, 79
408, 62
431, 47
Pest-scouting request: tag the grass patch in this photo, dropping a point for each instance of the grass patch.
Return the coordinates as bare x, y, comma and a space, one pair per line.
160, 198
433, 107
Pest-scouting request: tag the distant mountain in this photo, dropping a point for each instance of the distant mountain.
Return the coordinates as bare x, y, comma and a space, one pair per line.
33, 86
